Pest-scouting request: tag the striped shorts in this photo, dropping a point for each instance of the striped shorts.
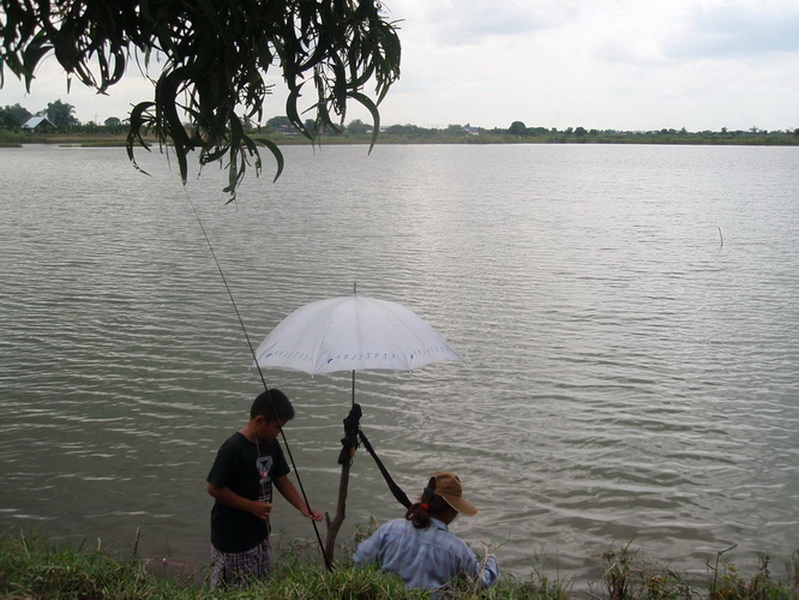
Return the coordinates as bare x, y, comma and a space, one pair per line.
240, 568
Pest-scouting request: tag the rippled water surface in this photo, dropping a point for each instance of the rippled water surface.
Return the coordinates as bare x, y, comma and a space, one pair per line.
628, 317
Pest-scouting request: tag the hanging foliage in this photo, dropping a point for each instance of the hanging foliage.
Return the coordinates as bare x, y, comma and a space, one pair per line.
211, 58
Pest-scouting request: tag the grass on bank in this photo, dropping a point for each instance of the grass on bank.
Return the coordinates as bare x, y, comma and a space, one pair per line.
34, 567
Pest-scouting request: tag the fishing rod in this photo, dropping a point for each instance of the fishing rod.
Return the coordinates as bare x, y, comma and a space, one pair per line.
328, 564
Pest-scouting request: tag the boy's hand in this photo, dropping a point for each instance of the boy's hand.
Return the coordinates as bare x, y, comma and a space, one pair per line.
314, 515
261, 510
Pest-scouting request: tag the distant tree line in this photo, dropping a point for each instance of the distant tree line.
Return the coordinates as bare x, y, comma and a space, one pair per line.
519, 132
62, 115
518, 128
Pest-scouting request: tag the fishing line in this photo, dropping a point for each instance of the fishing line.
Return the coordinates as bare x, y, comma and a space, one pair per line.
328, 564
227, 288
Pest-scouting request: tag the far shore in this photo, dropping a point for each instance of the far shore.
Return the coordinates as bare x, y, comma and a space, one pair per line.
413, 135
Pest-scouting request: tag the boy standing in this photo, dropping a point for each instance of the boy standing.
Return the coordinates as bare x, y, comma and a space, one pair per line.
240, 481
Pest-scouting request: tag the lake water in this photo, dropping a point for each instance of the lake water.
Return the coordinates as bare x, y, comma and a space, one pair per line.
628, 317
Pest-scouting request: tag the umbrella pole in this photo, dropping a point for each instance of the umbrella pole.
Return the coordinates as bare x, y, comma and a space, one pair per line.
334, 525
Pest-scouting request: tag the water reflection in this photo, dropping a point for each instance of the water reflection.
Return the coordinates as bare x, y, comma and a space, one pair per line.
626, 376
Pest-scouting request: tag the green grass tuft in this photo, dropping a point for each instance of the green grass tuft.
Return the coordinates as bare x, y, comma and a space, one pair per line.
34, 567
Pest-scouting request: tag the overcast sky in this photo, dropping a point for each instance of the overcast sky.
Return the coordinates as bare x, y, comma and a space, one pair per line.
599, 64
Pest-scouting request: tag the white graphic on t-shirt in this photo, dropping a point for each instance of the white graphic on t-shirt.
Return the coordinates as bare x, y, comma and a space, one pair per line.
264, 466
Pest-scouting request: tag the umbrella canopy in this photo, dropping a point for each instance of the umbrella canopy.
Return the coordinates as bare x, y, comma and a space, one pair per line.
351, 333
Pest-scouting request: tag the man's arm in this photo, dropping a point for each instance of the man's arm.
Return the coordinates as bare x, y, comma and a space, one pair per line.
367, 550
489, 571
486, 570
286, 488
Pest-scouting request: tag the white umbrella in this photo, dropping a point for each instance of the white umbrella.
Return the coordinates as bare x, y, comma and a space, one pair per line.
351, 333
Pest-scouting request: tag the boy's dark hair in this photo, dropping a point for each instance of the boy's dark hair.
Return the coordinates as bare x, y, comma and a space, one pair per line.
273, 405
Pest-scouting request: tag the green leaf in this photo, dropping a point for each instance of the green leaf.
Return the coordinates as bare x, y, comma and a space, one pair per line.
293, 115
273, 148
370, 106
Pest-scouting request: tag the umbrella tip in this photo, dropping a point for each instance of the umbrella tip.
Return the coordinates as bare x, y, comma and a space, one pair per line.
354, 288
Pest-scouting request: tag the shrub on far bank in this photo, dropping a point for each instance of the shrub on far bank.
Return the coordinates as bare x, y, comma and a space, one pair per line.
10, 140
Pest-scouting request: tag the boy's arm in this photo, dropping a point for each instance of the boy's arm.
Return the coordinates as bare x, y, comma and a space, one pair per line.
290, 493
228, 497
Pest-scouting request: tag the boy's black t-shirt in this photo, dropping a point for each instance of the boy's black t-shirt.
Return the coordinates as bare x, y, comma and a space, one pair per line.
240, 467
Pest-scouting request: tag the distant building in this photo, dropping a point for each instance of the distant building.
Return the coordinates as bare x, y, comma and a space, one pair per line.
39, 125
286, 129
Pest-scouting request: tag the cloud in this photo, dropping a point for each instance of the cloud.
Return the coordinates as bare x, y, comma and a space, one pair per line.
469, 22
618, 64
738, 30
50, 84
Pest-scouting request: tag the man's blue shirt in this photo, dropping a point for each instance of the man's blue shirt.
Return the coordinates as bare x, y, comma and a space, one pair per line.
424, 558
